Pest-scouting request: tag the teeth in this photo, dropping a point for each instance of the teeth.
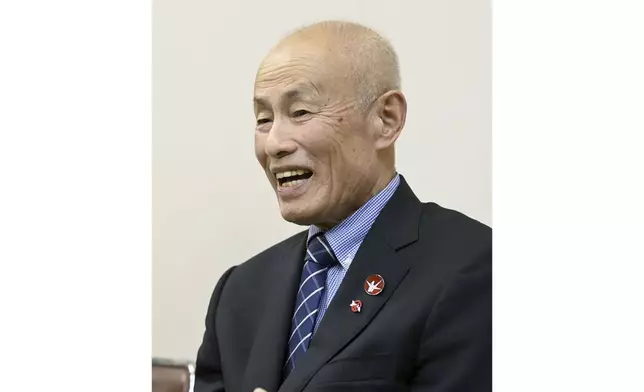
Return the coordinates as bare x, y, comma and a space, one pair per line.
292, 183
290, 173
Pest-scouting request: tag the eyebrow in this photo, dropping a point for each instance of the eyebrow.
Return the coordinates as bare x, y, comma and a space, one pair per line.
293, 93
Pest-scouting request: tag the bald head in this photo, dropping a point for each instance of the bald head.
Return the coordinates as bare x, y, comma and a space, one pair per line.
358, 57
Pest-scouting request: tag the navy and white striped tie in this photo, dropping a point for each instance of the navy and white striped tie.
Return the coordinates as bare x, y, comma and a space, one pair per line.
319, 258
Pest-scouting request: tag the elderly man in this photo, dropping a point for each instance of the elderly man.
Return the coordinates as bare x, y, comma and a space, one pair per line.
382, 292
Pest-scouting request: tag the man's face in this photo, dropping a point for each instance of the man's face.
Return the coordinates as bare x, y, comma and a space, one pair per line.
314, 143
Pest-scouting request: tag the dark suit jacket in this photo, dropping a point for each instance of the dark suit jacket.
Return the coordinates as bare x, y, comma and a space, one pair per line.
429, 330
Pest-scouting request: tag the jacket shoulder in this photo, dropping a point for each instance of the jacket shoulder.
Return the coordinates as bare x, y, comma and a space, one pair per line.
267, 257
453, 223
453, 241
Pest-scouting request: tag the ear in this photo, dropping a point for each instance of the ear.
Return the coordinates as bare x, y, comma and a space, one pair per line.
391, 112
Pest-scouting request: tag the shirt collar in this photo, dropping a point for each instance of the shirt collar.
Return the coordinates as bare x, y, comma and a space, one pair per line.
346, 237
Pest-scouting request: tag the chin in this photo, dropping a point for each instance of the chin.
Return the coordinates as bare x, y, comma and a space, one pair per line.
298, 215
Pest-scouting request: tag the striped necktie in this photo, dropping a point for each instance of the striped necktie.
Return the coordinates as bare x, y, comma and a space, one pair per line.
319, 258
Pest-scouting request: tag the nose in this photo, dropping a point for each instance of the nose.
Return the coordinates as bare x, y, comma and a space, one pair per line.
278, 141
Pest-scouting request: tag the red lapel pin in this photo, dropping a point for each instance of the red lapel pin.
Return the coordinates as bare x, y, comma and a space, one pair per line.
374, 284
356, 306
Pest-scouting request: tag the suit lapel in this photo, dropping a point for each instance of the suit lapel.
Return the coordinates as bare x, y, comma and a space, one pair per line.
267, 356
395, 227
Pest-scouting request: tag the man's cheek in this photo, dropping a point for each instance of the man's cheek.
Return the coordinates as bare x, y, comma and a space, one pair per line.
260, 152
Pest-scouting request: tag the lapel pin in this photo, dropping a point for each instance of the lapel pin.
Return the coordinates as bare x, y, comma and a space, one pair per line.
374, 284
356, 306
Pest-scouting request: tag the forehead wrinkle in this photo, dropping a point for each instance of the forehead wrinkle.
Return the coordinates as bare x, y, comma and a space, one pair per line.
285, 76
304, 89
292, 95
293, 68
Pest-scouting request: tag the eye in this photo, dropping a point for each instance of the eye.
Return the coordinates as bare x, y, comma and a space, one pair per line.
300, 113
261, 121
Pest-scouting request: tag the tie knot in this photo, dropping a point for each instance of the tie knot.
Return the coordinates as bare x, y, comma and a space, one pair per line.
319, 251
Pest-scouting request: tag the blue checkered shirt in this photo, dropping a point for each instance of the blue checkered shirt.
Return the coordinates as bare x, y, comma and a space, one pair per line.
345, 239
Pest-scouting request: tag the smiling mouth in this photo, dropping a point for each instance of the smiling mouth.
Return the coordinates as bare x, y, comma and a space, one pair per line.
293, 177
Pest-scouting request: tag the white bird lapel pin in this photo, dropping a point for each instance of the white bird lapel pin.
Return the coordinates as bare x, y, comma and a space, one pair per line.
374, 284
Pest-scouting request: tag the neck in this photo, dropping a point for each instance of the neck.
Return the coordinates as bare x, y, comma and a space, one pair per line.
380, 184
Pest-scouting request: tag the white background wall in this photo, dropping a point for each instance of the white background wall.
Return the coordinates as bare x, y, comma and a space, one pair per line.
212, 205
